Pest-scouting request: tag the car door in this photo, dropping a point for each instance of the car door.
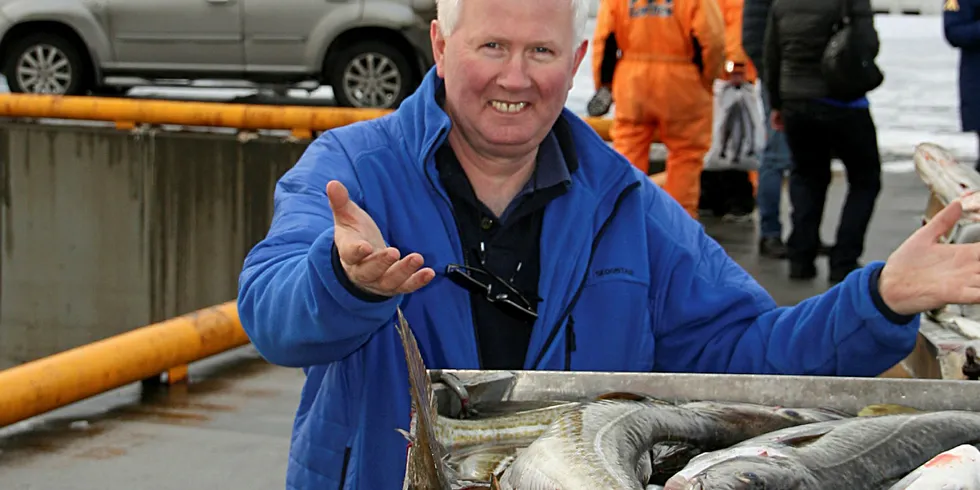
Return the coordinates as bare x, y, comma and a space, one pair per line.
176, 35
287, 35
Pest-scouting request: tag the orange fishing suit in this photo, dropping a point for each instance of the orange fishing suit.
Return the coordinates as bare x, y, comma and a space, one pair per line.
661, 58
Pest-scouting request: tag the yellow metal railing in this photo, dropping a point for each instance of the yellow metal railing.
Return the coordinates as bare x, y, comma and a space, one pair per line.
167, 347
301, 120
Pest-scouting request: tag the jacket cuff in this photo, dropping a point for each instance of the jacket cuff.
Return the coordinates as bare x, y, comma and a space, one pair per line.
349, 285
879, 303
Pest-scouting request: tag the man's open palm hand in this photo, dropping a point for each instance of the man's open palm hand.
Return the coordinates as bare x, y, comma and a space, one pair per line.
923, 275
369, 263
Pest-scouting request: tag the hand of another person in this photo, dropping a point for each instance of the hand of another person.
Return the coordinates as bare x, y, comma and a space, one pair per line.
776, 120
923, 274
369, 263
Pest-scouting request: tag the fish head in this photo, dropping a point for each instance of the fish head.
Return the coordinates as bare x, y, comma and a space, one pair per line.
749, 473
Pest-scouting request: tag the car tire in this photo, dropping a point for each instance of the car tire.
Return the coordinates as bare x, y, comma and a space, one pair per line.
67, 61
370, 74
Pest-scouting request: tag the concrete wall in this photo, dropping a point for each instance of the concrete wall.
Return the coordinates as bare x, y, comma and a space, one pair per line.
103, 231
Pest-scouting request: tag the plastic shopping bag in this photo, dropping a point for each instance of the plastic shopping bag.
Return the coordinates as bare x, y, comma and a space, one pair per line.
738, 135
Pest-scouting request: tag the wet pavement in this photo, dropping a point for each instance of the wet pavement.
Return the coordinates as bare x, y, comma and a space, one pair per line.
898, 213
230, 427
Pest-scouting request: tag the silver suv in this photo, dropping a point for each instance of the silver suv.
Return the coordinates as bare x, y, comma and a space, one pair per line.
372, 53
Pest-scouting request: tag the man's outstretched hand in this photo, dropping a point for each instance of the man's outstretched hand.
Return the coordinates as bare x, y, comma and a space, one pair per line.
923, 275
369, 263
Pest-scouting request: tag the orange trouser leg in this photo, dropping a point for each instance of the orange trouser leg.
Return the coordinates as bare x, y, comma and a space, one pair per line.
633, 141
687, 141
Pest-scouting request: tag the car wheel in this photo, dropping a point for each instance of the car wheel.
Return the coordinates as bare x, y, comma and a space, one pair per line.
45, 64
370, 74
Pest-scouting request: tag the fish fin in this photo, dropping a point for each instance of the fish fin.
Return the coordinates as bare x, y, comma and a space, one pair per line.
494, 483
406, 434
879, 409
800, 440
426, 466
629, 395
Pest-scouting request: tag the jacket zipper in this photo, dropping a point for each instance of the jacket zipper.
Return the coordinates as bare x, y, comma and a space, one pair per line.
343, 469
452, 211
566, 313
569, 342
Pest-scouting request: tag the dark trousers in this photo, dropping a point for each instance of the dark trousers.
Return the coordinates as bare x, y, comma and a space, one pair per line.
815, 132
726, 191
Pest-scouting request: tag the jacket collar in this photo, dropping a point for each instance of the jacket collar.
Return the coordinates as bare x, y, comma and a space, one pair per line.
424, 125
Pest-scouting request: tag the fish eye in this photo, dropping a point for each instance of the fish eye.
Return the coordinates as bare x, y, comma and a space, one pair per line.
748, 477
792, 413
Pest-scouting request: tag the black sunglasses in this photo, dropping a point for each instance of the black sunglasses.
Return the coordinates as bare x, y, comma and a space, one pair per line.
510, 301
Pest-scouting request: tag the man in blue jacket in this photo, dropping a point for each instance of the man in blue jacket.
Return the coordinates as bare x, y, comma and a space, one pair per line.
513, 237
961, 25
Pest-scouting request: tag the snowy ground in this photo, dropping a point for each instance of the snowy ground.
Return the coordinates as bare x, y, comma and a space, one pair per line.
918, 101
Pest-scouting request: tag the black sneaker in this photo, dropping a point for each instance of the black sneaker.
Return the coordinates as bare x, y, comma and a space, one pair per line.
773, 248
800, 270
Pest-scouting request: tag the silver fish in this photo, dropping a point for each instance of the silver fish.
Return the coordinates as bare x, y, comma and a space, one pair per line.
948, 179
606, 444
865, 452
671, 460
771, 444
516, 429
956, 469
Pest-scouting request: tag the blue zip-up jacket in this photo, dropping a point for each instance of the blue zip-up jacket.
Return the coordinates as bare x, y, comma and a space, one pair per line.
961, 27
630, 283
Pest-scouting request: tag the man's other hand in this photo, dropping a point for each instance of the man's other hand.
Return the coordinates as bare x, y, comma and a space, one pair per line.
923, 274
369, 263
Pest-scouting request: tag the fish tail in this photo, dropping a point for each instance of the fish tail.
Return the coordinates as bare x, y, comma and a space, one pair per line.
426, 461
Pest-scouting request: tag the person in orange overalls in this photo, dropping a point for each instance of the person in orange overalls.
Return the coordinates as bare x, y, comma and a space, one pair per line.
671, 53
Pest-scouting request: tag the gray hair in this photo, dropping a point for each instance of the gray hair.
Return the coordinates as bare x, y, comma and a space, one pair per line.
448, 16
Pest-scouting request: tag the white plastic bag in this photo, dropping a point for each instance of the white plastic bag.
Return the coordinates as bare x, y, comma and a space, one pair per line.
738, 135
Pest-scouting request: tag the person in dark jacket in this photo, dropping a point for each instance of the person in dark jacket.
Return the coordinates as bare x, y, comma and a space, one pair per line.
818, 127
961, 23
776, 160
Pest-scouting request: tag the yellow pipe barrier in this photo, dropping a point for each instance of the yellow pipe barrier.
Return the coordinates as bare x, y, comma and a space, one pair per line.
52, 382
125, 112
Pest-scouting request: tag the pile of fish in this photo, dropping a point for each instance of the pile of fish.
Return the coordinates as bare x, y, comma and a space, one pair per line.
637, 442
